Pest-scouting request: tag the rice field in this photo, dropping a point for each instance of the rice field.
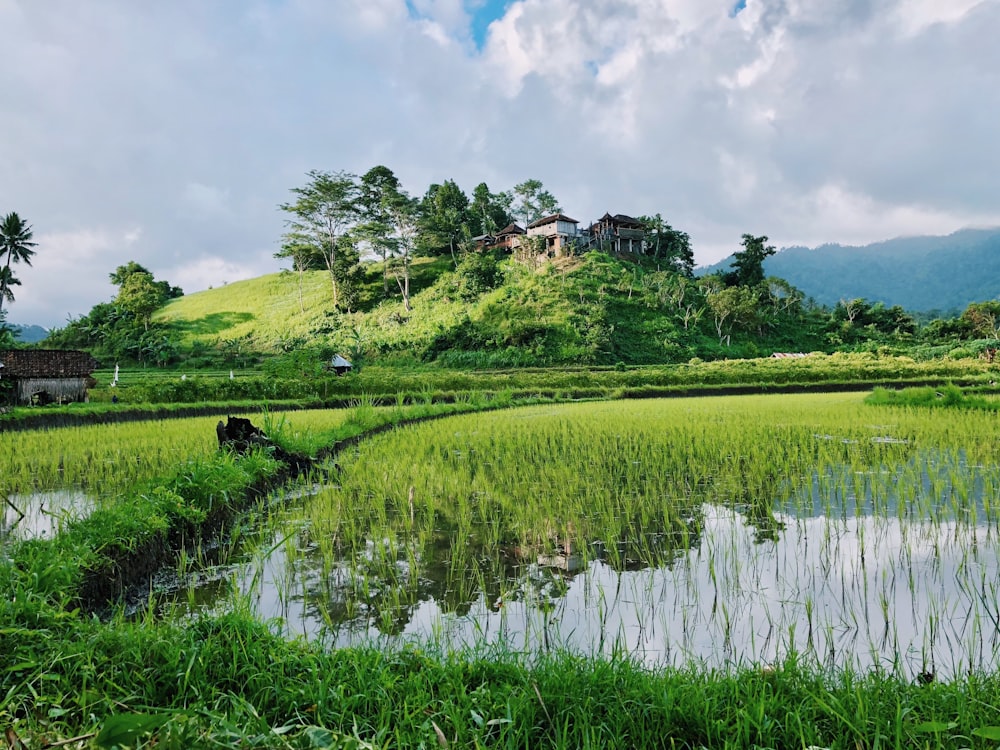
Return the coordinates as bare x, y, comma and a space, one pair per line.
53, 476
722, 532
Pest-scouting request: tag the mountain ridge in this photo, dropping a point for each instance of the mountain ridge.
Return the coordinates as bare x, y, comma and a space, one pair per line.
919, 273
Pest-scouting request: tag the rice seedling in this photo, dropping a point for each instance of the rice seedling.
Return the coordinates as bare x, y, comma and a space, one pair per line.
782, 514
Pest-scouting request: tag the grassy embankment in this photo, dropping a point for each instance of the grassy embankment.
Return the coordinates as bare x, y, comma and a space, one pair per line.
228, 680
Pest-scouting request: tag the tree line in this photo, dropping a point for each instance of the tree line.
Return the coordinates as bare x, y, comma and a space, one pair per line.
337, 218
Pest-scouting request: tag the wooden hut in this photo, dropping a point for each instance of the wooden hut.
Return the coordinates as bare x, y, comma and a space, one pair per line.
340, 365
42, 376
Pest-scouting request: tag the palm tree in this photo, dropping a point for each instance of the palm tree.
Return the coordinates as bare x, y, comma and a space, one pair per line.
15, 244
7, 280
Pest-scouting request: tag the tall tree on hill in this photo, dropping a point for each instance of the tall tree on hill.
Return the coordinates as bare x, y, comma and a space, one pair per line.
444, 218
323, 211
121, 273
489, 212
404, 213
140, 296
378, 188
667, 244
534, 201
748, 264
304, 255
15, 247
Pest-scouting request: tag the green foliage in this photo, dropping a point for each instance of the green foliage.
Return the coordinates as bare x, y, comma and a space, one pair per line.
947, 397
533, 201
748, 264
668, 245
16, 246
477, 274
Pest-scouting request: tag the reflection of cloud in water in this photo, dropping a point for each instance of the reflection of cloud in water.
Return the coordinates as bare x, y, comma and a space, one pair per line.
41, 514
863, 591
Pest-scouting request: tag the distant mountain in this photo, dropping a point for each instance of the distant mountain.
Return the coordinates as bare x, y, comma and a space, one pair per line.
917, 273
29, 334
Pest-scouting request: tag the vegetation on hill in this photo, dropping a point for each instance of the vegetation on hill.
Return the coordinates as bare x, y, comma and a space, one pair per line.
438, 286
496, 311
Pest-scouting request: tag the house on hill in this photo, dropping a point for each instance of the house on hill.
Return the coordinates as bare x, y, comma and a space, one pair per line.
505, 239
559, 232
44, 376
618, 234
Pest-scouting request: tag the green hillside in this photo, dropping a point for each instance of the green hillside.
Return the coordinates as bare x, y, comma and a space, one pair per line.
593, 309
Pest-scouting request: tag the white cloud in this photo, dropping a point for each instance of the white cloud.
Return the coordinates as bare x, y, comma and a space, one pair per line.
913, 16
69, 272
804, 121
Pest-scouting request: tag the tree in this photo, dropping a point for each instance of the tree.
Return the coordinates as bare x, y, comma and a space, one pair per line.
748, 264
7, 280
15, 247
984, 319
404, 213
665, 243
7, 341
444, 218
140, 296
378, 188
489, 212
731, 307
304, 255
534, 202
323, 211
120, 274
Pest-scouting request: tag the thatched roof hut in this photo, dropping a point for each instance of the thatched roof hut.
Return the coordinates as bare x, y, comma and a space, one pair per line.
46, 375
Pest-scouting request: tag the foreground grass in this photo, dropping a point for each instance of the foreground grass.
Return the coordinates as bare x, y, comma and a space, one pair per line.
230, 681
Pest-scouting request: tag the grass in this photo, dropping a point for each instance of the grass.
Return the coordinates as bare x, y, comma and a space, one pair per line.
946, 397
229, 680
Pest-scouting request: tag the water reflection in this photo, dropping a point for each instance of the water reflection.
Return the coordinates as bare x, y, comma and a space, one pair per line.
909, 596
41, 514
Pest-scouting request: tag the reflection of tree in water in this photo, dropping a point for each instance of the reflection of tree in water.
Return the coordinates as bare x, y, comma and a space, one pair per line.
382, 583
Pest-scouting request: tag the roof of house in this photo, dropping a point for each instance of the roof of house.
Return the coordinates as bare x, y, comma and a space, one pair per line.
550, 219
339, 361
620, 219
47, 363
510, 229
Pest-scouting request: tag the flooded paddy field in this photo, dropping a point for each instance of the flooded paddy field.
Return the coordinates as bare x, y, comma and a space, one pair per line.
52, 476
718, 531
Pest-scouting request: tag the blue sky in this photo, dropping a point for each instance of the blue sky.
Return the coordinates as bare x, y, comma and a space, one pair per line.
168, 133
485, 12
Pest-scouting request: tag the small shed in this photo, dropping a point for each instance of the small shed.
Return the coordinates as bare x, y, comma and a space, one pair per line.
43, 376
340, 365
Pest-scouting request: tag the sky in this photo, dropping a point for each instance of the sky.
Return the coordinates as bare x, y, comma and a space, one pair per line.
169, 132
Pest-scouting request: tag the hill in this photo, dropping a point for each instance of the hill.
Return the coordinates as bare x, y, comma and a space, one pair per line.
917, 273
29, 334
591, 309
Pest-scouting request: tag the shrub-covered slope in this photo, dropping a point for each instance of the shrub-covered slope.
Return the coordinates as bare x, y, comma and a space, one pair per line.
590, 309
